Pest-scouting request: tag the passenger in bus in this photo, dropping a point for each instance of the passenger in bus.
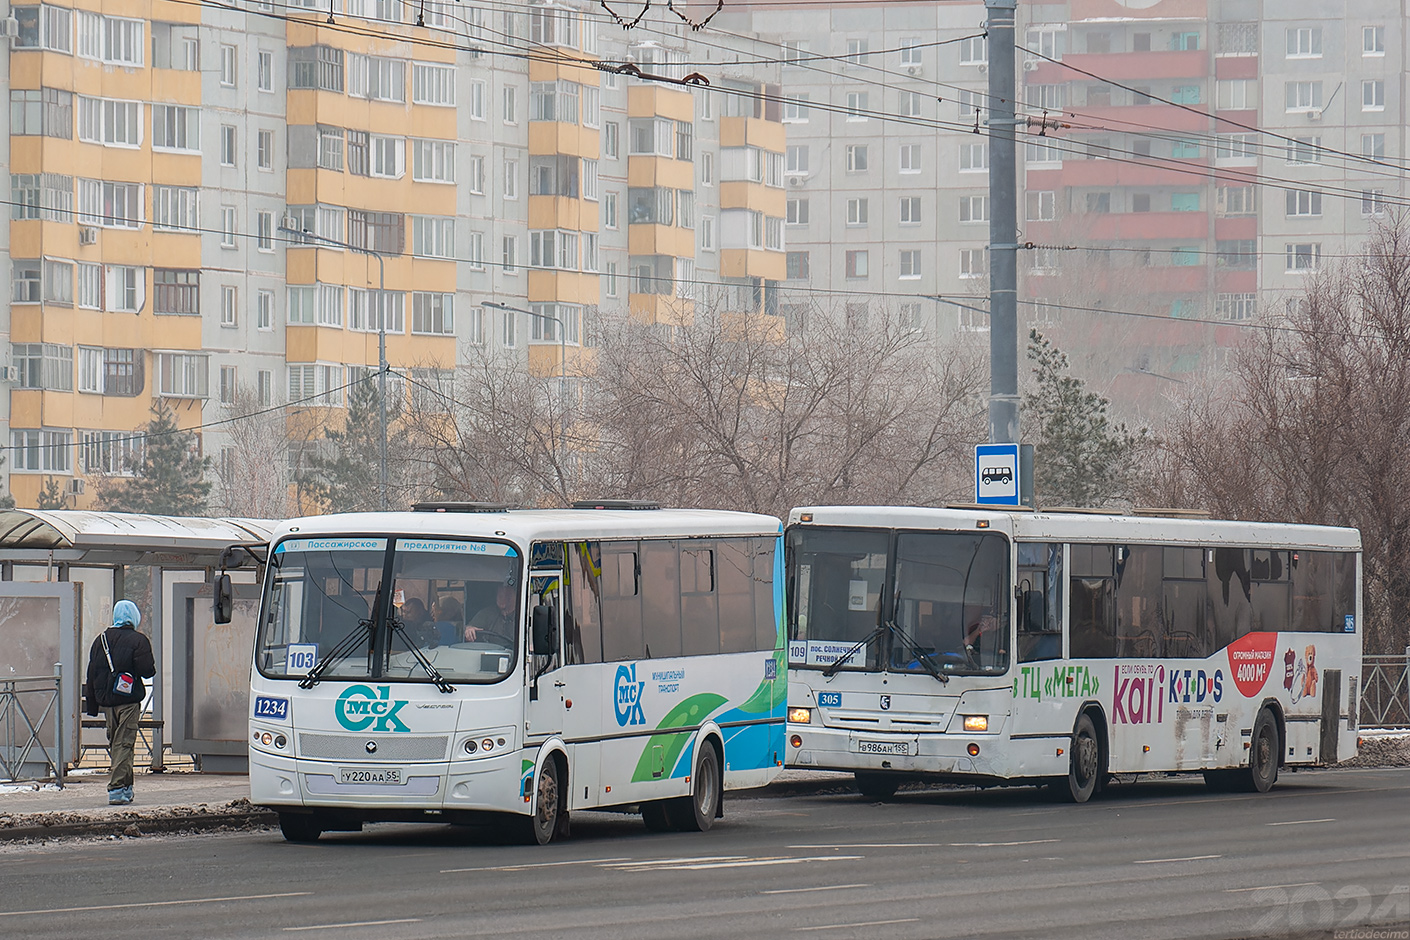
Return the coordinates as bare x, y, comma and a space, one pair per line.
984, 638
416, 623
449, 618
496, 618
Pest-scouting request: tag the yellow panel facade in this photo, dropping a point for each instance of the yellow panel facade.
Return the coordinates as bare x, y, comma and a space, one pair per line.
645, 100
660, 171
568, 287
563, 212
645, 239
744, 195
749, 262
752, 132
661, 308
547, 137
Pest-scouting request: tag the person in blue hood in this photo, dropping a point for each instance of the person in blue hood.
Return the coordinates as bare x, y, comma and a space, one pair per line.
118, 661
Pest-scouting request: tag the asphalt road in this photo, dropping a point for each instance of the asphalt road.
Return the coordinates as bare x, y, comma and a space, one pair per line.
1324, 850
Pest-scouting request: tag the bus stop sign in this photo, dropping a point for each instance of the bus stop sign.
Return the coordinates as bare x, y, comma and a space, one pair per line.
996, 474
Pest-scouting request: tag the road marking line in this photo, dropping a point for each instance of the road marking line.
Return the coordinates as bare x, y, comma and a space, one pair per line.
118, 907
581, 861
1191, 858
743, 863
986, 845
1300, 884
1299, 822
865, 923
360, 923
874, 845
818, 888
646, 864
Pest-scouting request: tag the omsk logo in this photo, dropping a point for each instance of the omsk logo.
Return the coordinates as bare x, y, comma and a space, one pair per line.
360, 707
627, 700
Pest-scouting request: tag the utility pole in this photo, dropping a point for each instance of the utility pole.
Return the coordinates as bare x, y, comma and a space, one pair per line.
1003, 225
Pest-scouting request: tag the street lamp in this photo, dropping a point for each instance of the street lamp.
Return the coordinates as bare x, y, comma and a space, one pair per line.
562, 357
562, 347
289, 225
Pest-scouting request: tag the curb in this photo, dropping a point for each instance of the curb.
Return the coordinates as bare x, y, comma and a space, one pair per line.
146, 825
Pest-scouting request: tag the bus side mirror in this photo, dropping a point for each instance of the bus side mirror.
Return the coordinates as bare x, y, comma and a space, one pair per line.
224, 598
542, 629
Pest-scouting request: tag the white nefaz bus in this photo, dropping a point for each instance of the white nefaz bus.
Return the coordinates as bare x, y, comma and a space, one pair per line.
444, 665
1002, 647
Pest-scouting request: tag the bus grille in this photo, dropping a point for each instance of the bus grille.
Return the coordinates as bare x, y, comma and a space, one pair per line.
389, 747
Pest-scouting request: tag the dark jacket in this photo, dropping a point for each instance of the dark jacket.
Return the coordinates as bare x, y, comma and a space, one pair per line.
131, 652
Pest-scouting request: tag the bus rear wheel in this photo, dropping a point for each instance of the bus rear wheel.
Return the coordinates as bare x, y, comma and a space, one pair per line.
877, 786
300, 827
696, 813
1264, 748
1084, 769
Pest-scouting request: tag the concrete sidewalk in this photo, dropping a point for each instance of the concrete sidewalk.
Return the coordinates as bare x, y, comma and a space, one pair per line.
179, 801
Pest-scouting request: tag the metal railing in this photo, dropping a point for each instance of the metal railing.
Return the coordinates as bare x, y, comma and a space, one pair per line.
1385, 691
21, 733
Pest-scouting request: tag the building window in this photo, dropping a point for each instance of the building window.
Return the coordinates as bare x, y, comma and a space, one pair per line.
264, 150
1302, 96
1305, 150
1304, 42
434, 85
974, 209
857, 53
1235, 200
910, 158
795, 160
125, 289
795, 109
509, 106
611, 140
229, 153
856, 155
974, 158
264, 230
264, 71
796, 212
910, 210
972, 263
264, 310
109, 122
856, 211
229, 66
376, 78
228, 385
911, 50
41, 450
509, 255
1237, 39
910, 104
910, 264
228, 226
1305, 256
1373, 40
1307, 203
796, 265
264, 386
176, 128
856, 267
1236, 147
433, 236
707, 233
433, 161
974, 50
1373, 202
857, 109
1373, 145
176, 291
1240, 254
432, 313
330, 148
1238, 94
1373, 95
182, 375
110, 39
1041, 205
383, 232
229, 305
1235, 306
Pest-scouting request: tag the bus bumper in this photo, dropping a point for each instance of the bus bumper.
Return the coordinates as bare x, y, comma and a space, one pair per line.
489, 784
821, 748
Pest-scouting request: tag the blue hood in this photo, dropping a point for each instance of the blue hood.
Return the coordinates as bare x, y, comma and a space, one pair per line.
125, 613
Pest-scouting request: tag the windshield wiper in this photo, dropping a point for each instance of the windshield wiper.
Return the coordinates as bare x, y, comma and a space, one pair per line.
398, 627
344, 646
831, 671
922, 657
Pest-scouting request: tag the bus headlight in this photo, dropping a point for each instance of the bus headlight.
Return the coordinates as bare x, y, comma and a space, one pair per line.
800, 716
976, 722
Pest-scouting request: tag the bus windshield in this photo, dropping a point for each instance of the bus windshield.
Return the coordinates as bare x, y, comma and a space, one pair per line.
905, 602
387, 608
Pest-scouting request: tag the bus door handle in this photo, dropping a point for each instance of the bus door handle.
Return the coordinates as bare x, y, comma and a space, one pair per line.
558, 684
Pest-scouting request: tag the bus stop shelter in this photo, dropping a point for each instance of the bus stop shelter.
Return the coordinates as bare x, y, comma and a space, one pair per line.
60, 573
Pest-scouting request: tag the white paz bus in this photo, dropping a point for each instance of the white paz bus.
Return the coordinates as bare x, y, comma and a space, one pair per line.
1062, 648
443, 666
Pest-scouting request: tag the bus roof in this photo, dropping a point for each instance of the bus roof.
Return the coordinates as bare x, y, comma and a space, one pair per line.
1084, 526
527, 525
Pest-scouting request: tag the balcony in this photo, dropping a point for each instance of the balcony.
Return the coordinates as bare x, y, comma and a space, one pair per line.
1136, 117
1105, 174
1146, 226
1121, 66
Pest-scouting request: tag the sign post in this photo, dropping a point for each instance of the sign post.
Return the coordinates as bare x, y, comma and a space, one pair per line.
996, 475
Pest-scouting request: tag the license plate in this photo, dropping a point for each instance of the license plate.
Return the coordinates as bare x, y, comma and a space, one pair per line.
385, 776
885, 747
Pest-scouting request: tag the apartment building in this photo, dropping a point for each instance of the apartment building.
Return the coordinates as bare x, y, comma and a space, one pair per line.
166, 161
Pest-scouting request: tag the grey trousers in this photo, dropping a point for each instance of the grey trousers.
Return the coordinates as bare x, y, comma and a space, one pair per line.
122, 742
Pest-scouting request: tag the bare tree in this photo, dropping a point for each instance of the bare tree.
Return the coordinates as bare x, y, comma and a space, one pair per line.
1313, 424
252, 468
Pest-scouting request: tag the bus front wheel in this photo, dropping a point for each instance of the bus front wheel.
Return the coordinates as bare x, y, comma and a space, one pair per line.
696, 813
300, 827
548, 820
1084, 770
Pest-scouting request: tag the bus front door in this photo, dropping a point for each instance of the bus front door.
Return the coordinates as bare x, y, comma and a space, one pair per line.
543, 713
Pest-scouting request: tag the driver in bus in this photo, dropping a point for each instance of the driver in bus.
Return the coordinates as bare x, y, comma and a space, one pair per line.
984, 635
496, 618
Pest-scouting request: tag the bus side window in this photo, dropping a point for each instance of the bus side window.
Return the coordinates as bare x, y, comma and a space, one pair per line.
766, 616
660, 598
1092, 621
583, 617
734, 568
1039, 601
621, 603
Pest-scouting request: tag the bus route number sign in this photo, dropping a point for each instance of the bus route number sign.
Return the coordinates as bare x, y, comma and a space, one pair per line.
996, 474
